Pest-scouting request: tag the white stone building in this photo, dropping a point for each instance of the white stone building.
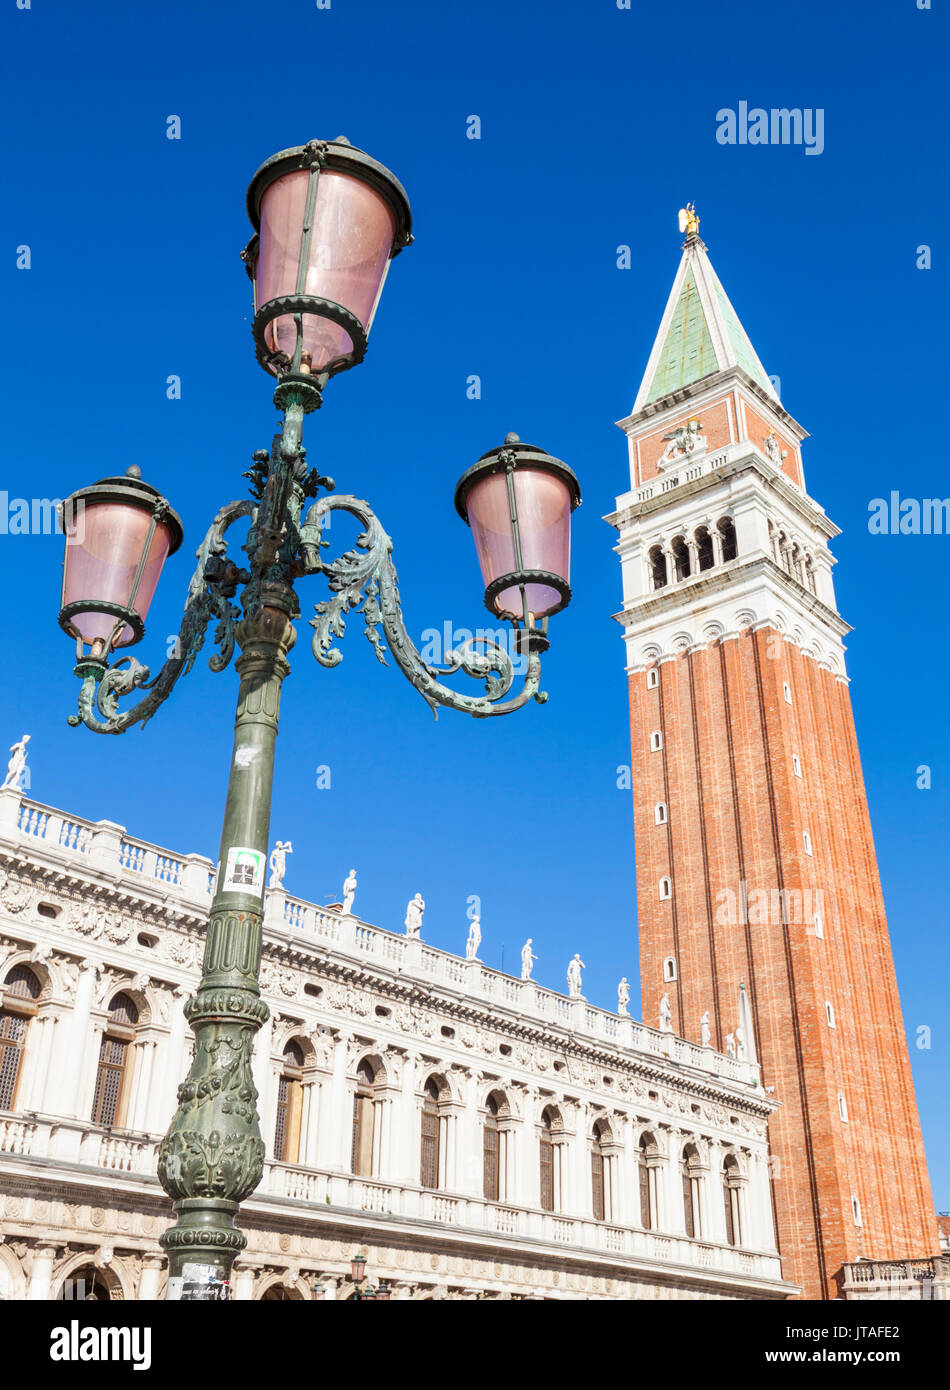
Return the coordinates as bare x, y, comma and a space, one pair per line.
478, 1135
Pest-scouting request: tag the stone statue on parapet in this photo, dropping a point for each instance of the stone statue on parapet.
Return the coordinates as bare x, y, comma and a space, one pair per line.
16, 767
474, 939
575, 966
528, 959
278, 863
414, 910
349, 891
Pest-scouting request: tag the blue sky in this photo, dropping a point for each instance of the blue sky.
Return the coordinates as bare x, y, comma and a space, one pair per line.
597, 124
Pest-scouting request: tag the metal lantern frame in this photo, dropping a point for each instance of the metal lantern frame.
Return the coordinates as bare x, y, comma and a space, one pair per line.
515, 455
340, 156
128, 490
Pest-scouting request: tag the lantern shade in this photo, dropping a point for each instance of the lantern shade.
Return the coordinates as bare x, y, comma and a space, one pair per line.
353, 232
329, 220
118, 535
518, 501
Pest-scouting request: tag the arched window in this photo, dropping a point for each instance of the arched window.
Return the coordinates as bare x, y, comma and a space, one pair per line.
689, 1170
727, 531
680, 558
491, 1151
21, 989
704, 548
656, 741
669, 968
549, 1156
429, 1161
364, 1120
600, 1172
730, 1196
810, 573
647, 1155
666, 888
653, 678
659, 812
108, 1102
658, 567
289, 1101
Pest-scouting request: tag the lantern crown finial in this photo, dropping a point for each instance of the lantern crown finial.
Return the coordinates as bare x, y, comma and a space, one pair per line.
512, 438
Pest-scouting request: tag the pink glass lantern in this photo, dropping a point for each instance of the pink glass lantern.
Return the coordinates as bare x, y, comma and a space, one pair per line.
518, 501
329, 220
119, 533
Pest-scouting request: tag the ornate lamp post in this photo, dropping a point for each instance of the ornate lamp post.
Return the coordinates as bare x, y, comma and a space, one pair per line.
328, 221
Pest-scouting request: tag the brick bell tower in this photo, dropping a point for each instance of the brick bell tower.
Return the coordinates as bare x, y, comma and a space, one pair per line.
755, 861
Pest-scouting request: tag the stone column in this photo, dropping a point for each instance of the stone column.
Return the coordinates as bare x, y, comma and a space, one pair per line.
172, 1067
527, 1190
268, 1109
152, 1267
36, 1062
126, 1116
242, 1283
144, 1105
68, 1100
261, 1061
307, 1107
41, 1273
335, 1132
87, 1087
406, 1141
471, 1146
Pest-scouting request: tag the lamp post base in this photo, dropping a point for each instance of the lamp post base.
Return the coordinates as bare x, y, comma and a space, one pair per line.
202, 1246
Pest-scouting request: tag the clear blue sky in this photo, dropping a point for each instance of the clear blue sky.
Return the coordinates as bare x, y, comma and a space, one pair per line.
597, 124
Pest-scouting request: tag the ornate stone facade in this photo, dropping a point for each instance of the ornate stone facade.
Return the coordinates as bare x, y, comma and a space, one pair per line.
479, 1136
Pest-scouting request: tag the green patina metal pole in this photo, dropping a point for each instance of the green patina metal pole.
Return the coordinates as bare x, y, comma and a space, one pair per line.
212, 1157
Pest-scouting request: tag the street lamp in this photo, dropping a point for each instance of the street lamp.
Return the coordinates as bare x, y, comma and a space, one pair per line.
518, 501
328, 221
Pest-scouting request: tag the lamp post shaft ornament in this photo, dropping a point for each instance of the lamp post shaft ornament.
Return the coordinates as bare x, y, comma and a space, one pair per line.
310, 322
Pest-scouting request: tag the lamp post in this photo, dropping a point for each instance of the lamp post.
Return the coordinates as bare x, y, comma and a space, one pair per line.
328, 222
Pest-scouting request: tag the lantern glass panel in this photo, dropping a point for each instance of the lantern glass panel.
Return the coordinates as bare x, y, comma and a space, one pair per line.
544, 517
352, 239
103, 547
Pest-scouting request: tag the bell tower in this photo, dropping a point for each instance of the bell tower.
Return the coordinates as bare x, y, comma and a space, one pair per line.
755, 861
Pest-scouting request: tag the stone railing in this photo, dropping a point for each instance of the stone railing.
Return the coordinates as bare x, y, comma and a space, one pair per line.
927, 1278
77, 1141
73, 1142
476, 1215
107, 848
688, 470
301, 920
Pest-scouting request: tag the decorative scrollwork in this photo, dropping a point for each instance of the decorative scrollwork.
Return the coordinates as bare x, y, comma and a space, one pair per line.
364, 579
209, 595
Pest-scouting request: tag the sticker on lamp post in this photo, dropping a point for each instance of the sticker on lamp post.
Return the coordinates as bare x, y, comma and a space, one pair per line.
244, 871
198, 1281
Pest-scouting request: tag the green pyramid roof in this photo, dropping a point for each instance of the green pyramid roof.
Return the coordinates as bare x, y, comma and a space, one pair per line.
700, 332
